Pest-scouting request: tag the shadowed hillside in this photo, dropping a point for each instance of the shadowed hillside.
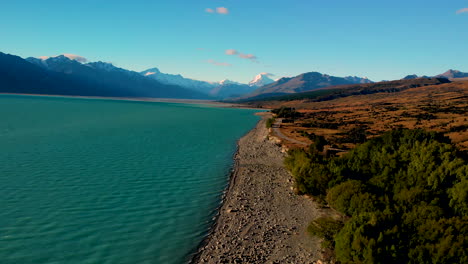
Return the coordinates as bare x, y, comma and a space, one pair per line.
62, 76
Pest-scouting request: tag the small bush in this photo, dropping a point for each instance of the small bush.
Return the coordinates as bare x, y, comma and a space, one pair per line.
270, 122
325, 228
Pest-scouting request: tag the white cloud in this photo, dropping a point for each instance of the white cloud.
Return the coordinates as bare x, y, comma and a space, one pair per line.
241, 55
247, 56
219, 10
267, 74
231, 52
78, 58
222, 10
225, 64
463, 10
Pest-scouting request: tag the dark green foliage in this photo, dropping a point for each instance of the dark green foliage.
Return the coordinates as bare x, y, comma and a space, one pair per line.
311, 176
406, 193
286, 112
319, 143
355, 135
371, 238
445, 241
351, 197
325, 228
270, 122
459, 128
425, 116
321, 124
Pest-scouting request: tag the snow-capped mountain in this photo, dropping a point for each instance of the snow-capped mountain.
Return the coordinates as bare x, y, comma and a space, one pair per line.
104, 79
58, 63
355, 79
228, 82
222, 89
177, 79
261, 80
105, 66
304, 82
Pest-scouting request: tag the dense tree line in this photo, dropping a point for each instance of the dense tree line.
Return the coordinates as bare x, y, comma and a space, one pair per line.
404, 196
286, 112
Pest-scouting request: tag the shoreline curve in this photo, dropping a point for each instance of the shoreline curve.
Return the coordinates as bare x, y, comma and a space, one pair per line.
260, 219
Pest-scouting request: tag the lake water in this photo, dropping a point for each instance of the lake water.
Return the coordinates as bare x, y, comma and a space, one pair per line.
106, 181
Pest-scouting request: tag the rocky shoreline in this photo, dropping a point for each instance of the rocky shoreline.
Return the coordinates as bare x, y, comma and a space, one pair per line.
261, 219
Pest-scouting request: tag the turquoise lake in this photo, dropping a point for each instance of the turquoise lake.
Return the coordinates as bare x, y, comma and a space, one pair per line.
107, 181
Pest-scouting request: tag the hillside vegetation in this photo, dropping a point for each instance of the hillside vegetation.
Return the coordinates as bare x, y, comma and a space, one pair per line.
346, 121
403, 197
334, 92
391, 159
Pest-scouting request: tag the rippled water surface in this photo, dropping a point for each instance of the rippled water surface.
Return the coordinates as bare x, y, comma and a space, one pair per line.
104, 181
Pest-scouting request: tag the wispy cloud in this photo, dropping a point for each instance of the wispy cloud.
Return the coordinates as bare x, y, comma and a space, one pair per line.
76, 57
247, 56
463, 10
267, 74
217, 63
233, 52
219, 10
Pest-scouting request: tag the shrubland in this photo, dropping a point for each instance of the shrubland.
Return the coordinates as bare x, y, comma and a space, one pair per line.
403, 197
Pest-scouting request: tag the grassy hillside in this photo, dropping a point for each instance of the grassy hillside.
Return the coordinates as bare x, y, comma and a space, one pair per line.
341, 120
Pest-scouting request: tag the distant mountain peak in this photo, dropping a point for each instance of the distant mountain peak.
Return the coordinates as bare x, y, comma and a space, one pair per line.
151, 71
261, 79
304, 82
453, 74
106, 66
62, 75
58, 58
411, 76
356, 79
227, 82
66, 56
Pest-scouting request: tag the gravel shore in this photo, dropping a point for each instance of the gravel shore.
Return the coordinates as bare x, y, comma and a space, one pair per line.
261, 219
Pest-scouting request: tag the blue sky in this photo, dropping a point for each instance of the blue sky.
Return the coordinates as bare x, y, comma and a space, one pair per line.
237, 39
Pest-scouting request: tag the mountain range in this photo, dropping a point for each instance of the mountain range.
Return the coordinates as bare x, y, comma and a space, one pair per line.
64, 75
314, 80
303, 82
450, 74
220, 90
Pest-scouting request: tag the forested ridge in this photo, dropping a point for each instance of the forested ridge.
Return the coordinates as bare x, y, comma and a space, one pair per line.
402, 197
